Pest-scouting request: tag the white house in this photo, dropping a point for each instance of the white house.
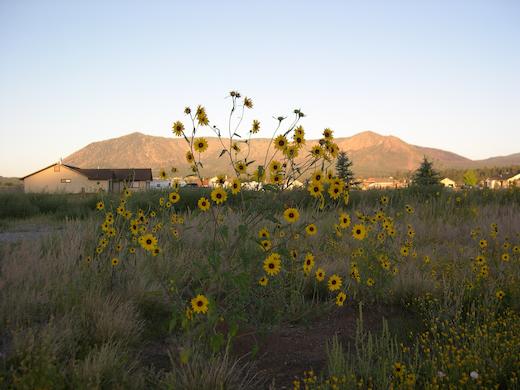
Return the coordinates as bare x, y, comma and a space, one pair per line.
447, 182
514, 181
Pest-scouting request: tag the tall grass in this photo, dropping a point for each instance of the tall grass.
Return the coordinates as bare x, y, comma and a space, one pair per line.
69, 323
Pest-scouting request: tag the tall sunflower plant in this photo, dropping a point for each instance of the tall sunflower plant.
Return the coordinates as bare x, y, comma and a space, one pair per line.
237, 246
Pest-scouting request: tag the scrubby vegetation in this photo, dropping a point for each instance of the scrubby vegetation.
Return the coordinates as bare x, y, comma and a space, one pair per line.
416, 288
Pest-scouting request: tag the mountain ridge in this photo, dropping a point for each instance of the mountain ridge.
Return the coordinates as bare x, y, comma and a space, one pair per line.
373, 154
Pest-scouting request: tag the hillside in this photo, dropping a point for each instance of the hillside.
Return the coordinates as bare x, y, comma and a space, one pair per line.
373, 154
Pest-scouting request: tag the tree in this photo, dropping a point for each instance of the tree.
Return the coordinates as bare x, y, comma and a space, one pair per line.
425, 175
344, 168
470, 178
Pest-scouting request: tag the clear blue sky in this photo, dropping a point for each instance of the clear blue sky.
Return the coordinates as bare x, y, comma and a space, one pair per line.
438, 73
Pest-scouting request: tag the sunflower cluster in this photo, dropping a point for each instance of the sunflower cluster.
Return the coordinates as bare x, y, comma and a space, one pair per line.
322, 183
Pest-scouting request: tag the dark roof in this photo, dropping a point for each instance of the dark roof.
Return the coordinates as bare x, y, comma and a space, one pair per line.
135, 174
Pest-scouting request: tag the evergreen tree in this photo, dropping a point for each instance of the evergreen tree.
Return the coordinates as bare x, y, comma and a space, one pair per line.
425, 175
344, 169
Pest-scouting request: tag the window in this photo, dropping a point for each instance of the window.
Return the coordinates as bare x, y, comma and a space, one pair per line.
56, 168
135, 184
65, 180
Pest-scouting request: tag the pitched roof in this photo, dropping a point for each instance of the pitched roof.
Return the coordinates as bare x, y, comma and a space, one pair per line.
43, 169
134, 174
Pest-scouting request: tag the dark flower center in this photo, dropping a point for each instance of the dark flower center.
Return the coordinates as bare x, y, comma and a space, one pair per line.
148, 241
271, 265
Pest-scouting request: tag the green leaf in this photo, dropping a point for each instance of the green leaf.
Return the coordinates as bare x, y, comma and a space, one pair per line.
242, 230
216, 342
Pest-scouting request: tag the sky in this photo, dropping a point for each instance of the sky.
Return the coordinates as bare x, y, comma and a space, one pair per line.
442, 74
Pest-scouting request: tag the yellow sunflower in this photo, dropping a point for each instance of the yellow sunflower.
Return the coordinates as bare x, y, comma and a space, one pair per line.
219, 195
298, 140
203, 204
148, 241
399, 369
320, 274
235, 186
318, 177
276, 179
359, 232
272, 264
174, 197
311, 229
200, 144
291, 152
263, 233
308, 263
115, 261
275, 166
316, 151
248, 102
335, 191
280, 142
500, 294
315, 189
100, 205
334, 283
200, 304
291, 215
189, 157
327, 134
178, 128
255, 128
241, 167
263, 281
340, 298
266, 244
202, 117
344, 220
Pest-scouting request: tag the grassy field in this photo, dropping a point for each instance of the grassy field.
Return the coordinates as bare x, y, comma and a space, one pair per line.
395, 289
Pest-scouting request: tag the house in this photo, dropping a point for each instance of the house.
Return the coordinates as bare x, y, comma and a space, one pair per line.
447, 182
66, 178
514, 181
379, 183
495, 182
160, 184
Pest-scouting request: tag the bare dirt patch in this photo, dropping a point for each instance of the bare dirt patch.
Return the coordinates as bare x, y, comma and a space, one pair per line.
27, 232
290, 350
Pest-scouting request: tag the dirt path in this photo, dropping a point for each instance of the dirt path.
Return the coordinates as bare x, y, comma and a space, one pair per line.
27, 232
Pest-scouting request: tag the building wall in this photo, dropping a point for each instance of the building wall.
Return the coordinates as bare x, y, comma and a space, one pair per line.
50, 181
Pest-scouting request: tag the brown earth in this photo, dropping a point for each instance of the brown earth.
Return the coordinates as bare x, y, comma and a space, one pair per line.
289, 350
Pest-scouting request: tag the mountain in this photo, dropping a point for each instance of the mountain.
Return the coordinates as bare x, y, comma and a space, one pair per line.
372, 154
